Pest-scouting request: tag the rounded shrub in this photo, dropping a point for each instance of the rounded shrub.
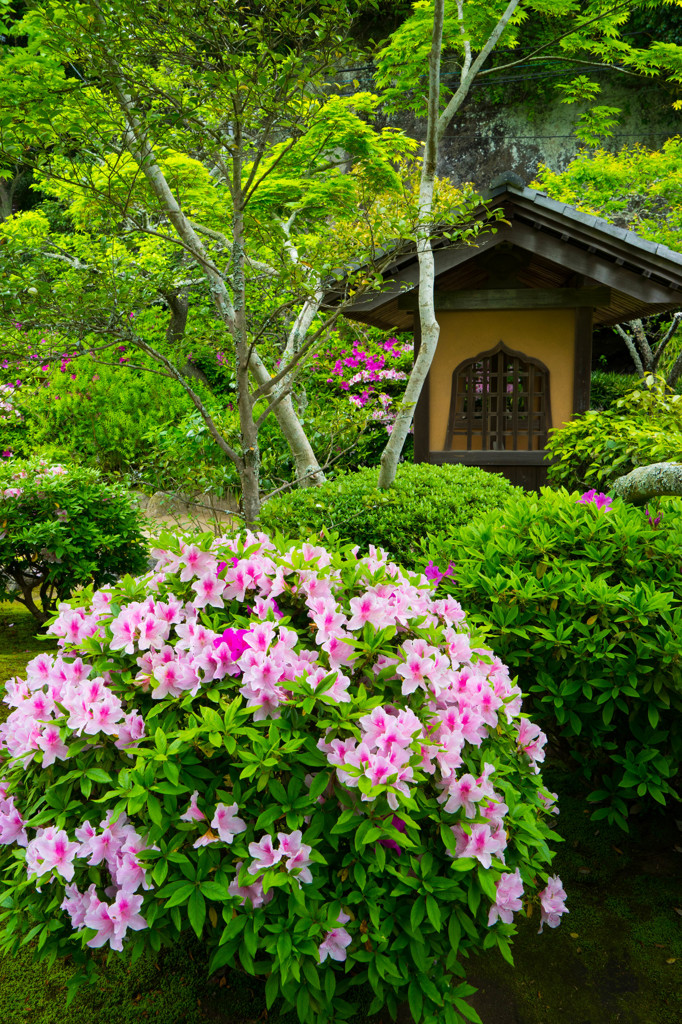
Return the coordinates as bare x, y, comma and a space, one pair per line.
301, 756
424, 498
583, 598
62, 528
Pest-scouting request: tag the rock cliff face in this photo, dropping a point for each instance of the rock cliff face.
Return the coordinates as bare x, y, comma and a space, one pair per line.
516, 134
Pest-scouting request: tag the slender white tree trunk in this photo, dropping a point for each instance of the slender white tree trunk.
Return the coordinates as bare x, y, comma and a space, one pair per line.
308, 470
436, 126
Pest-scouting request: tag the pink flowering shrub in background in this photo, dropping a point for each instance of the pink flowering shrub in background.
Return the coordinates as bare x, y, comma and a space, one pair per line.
300, 754
371, 378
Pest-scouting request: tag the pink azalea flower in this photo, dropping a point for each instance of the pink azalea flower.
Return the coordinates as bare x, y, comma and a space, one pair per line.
552, 903
52, 746
227, 823
264, 855
97, 916
297, 854
193, 813
509, 890
124, 913
11, 824
335, 942
531, 740
51, 850
132, 730
253, 892
482, 843
208, 590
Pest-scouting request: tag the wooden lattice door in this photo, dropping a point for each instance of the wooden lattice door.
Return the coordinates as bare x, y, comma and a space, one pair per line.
499, 402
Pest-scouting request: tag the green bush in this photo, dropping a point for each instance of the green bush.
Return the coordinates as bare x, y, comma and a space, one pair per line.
594, 449
61, 529
606, 388
424, 498
585, 604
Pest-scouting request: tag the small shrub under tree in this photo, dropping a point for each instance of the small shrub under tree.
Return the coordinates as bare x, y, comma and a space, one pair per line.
63, 528
593, 449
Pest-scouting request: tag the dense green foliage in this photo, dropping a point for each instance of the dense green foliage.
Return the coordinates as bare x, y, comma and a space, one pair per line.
94, 414
636, 187
62, 529
585, 604
606, 388
424, 498
595, 448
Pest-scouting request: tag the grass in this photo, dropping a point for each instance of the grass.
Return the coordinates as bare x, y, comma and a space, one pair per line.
18, 639
616, 958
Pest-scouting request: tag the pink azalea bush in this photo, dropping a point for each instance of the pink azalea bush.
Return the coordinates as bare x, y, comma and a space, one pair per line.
302, 755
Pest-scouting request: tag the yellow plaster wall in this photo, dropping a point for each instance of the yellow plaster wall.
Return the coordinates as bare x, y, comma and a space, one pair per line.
545, 334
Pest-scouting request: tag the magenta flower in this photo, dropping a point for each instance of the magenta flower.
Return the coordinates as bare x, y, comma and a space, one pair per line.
652, 522
591, 497
434, 572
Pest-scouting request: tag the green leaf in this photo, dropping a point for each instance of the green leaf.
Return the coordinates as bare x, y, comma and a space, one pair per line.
196, 912
215, 891
415, 1000
360, 875
155, 811
181, 895
302, 1004
433, 912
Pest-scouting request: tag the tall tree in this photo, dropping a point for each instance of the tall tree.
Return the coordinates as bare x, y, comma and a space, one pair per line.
209, 131
586, 34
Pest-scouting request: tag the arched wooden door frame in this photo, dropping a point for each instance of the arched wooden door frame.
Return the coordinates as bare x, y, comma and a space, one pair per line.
536, 378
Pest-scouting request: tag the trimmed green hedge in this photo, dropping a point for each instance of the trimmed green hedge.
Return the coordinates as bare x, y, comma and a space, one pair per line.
585, 603
424, 499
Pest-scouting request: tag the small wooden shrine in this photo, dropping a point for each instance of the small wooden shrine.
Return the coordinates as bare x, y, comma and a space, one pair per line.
516, 313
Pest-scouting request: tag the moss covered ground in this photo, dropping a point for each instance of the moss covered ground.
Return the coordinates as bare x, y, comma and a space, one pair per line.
616, 959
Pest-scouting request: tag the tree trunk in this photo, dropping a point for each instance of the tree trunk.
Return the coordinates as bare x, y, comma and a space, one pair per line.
178, 304
427, 313
308, 470
436, 126
647, 482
